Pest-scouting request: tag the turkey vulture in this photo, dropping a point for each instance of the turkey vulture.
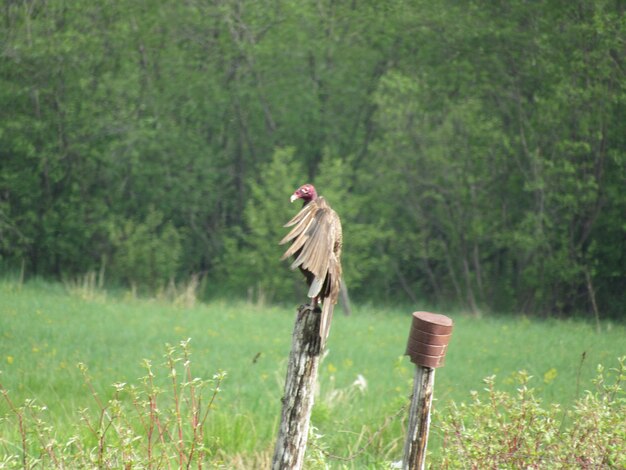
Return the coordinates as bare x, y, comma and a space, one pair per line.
316, 248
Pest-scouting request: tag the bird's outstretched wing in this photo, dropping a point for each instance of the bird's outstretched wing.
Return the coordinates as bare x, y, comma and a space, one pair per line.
316, 239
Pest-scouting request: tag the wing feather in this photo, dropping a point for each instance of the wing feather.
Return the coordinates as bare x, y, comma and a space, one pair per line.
315, 253
295, 246
301, 226
300, 215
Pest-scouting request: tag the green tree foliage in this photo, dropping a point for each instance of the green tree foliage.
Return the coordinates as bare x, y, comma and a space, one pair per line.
475, 152
146, 253
251, 253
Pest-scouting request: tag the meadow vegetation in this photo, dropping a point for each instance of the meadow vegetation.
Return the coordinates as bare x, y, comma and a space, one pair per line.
475, 152
110, 380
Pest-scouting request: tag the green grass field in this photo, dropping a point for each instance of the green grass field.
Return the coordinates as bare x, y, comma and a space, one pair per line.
46, 331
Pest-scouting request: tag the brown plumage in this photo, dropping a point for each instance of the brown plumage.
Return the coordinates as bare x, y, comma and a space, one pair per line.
316, 247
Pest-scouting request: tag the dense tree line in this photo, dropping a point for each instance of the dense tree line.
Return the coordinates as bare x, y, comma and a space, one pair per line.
476, 151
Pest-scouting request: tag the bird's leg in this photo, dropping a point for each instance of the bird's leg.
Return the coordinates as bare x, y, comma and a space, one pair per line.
313, 306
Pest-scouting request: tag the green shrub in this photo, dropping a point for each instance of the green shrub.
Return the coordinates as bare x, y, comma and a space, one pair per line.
500, 430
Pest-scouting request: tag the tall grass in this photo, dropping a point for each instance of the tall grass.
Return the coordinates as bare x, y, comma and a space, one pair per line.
47, 329
140, 426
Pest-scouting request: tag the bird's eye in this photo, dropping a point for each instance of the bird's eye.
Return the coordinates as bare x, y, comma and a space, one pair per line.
305, 190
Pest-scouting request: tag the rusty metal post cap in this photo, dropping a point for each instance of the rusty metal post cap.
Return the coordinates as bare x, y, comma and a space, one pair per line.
433, 323
428, 339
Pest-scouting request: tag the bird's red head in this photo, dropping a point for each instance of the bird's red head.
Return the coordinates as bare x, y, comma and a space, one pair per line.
305, 192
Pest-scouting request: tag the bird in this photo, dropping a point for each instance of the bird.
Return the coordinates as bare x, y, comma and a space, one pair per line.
316, 243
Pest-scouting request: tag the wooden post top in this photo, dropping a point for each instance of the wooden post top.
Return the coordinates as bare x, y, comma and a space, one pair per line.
428, 339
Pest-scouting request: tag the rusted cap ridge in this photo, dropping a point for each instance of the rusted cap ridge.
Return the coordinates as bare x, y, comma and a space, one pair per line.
428, 339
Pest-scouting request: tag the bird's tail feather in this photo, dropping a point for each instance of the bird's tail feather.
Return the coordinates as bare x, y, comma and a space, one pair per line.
327, 317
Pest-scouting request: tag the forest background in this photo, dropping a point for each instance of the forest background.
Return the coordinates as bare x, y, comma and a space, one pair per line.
476, 151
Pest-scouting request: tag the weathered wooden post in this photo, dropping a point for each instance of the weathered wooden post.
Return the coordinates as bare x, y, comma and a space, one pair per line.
299, 390
428, 341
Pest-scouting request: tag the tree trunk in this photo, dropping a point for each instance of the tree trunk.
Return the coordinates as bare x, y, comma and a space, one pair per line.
299, 390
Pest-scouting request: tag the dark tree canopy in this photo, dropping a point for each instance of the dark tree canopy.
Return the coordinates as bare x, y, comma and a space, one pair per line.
476, 151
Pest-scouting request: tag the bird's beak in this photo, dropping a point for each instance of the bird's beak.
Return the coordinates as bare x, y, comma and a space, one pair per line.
293, 197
